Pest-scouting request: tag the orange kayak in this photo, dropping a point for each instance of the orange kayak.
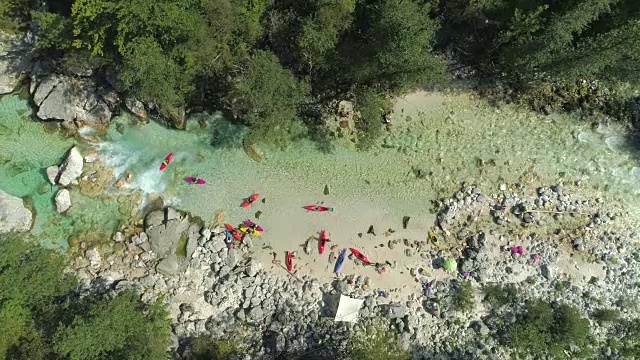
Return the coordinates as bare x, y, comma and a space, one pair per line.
248, 201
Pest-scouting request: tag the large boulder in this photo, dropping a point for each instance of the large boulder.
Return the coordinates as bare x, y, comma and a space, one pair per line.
165, 228
62, 97
72, 167
15, 60
14, 216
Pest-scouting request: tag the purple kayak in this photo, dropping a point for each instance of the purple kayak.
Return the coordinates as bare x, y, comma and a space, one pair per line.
340, 261
252, 224
193, 180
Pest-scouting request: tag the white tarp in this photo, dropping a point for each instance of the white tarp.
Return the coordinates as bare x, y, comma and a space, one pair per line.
348, 309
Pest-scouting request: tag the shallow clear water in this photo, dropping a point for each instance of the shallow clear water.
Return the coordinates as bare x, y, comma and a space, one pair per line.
450, 138
26, 150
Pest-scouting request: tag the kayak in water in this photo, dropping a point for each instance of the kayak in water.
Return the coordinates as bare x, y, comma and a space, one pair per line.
317, 208
289, 261
323, 241
234, 232
248, 201
249, 231
360, 255
340, 260
166, 162
253, 225
193, 180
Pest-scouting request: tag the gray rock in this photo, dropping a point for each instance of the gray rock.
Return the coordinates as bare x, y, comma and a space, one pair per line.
396, 311
192, 242
232, 258
168, 266
164, 236
119, 237
72, 167
136, 107
66, 98
14, 216
547, 272
253, 268
15, 60
63, 200
52, 174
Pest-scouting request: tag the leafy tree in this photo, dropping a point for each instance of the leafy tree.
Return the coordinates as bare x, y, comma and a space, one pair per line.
266, 97
371, 106
321, 30
153, 75
389, 46
121, 328
48, 320
14, 13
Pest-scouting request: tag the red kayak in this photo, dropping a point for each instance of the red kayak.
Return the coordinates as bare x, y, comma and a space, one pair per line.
323, 241
359, 255
233, 232
193, 180
317, 208
248, 201
166, 162
289, 261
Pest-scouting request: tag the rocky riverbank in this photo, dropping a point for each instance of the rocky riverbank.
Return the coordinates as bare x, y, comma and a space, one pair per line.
569, 247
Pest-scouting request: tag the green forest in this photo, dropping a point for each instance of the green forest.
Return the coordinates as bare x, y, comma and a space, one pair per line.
270, 63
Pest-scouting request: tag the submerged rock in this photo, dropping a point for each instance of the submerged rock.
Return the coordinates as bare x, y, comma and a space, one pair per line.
72, 167
14, 216
63, 200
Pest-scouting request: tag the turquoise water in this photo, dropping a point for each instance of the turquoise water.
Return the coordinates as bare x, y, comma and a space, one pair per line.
26, 150
449, 138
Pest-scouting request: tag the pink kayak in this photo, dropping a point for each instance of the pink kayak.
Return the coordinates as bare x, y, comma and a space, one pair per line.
253, 225
193, 180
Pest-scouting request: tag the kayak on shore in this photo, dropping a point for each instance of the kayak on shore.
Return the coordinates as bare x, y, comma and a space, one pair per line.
166, 162
253, 225
234, 232
317, 208
323, 241
289, 261
340, 260
248, 201
360, 256
249, 231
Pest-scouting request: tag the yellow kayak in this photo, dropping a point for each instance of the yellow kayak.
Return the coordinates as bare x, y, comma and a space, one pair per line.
249, 231
434, 238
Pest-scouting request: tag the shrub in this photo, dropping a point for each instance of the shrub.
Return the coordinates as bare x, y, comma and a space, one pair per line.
379, 342
497, 295
463, 299
206, 348
606, 315
546, 331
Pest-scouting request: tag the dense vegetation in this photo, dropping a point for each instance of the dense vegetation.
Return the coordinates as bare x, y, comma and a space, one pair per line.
42, 316
277, 64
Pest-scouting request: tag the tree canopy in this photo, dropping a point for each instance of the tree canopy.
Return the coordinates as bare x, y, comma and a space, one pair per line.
175, 54
48, 320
